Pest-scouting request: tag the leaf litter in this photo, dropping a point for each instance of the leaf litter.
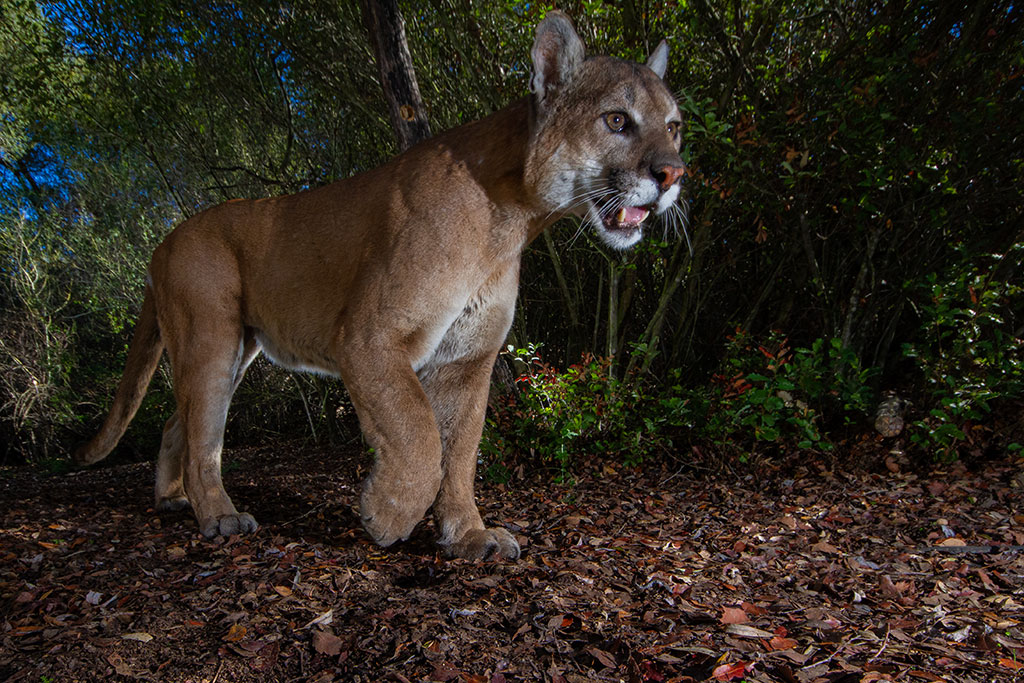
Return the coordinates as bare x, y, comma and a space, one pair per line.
794, 572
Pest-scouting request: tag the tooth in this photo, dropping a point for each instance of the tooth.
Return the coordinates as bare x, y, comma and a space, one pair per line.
621, 215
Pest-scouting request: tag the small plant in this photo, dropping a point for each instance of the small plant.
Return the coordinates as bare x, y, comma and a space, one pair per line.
966, 352
752, 400
771, 393
555, 415
55, 465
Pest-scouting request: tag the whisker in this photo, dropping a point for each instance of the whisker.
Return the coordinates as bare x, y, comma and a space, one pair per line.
682, 215
579, 232
584, 195
593, 194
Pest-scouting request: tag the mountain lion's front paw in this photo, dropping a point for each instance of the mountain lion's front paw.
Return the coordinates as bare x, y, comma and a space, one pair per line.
228, 525
484, 544
391, 511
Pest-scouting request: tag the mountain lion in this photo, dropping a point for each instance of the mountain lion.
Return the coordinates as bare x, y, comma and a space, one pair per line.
402, 282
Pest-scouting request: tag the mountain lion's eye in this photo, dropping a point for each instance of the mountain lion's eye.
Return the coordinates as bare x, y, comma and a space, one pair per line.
616, 121
673, 128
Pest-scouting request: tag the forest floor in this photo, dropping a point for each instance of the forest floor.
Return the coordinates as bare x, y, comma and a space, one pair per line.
794, 572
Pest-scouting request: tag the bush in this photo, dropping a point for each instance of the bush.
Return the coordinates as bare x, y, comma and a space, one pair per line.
556, 415
768, 393
63, 328
763, 394
966, 355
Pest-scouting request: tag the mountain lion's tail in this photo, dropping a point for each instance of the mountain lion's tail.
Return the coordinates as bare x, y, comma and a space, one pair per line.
143, 357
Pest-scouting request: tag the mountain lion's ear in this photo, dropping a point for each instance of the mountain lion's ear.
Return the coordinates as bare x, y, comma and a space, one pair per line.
658, 61
557, 53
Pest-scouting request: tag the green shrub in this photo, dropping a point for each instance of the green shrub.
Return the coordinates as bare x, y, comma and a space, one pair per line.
65, 298
555, 415
763, 394
966, 354
769, 393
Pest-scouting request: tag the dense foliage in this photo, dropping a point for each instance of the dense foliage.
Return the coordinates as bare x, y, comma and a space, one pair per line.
854, 196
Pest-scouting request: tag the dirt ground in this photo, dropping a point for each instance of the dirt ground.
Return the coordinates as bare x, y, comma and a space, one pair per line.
795, 573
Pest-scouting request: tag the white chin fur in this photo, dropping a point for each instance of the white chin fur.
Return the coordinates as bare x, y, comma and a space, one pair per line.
616, 239
619, 239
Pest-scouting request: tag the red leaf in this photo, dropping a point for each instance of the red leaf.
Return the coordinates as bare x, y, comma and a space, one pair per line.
651, 673
778, 643
727, 672
751, 608
1011, 664
733, 615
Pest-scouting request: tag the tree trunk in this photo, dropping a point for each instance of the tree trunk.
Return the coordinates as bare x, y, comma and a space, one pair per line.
614, 272
556, 262
386, 27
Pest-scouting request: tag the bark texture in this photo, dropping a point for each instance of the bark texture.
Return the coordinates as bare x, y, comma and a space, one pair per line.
386, 27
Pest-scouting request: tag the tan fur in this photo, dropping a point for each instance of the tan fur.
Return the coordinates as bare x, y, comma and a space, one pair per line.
401, 281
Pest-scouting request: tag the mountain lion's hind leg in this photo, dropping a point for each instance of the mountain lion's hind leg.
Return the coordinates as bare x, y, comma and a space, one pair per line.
170, 469
170, 484
201, 325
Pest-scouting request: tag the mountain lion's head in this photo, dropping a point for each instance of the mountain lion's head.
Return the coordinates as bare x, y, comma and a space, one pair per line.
607, 134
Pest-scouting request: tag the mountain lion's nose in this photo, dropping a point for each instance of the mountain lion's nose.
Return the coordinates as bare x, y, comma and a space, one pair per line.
667, 175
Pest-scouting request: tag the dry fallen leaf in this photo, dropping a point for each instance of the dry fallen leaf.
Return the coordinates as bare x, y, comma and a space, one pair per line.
141, 636
825, 547
780, 643
728, 672
327, 643
1011, 664
235, 633
445, 671
889, 589
603, 657
733, 615
323, 620
745, 631
120, 666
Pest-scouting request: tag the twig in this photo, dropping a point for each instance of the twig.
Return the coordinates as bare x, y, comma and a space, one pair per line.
971, 549
305, 514
305, 405
823, 661
885, 642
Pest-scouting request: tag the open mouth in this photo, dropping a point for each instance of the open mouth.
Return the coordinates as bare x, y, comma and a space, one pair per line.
626, 219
